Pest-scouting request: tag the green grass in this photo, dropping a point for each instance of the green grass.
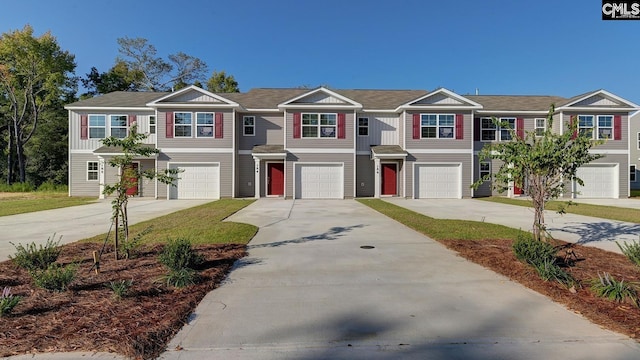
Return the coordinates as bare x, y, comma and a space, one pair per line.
20, 203
200, 225
599, 211
442, 229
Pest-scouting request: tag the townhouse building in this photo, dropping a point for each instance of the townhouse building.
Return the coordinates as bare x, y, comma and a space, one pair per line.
333, 144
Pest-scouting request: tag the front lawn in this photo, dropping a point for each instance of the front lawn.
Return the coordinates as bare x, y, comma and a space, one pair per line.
599, 211
88, 317
24, 202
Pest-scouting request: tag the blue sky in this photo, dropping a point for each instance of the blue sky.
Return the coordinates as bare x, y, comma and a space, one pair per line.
499, 47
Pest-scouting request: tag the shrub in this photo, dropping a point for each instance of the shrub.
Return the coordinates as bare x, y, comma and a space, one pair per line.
180, 277
178, 254
607, 287
631, 251
17, 187
120, 288
534, 252
549, 270
8, 301
55, 277
129, 249
34, 257
50, 186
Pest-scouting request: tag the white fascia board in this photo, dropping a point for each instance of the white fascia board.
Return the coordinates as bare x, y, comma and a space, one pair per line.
439, 151
197, 150
608, 152
607, 109
324, 90
527, 112
270, 156
320, 106
320, 151
603, 92
196, 105
260, 110
472, 104
194, 88
394, 111
107, 108
388, 156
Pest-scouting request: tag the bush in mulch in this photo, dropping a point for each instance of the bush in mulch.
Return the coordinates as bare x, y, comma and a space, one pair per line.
87, 317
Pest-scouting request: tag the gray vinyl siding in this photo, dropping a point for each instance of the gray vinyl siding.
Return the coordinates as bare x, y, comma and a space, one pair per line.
611, 144
528, 120
444, 144
78, 183
464, 159
147, 187
383, 130
226, 168
634, 148
623, 175
269, 130
193, 141
309, 143
76, 143
246, 176
365, 177
346, 159
484, 189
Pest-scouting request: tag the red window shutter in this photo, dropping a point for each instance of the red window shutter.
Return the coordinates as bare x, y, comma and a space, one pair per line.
219, 122
617, 127
520, 128
416, 126
341, 126
476, 129
572, 122
84, 127
169, 125
459, 126
296, 125
132, 119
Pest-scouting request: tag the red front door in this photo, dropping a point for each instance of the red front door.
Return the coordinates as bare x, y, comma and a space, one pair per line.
389, 179
131, 173
275, 179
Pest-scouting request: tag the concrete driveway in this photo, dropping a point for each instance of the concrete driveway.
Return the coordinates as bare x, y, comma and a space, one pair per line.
580, 229
337, 280
78, 222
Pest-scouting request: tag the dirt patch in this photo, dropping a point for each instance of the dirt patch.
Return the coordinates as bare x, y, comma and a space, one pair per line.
588, 262
87, 317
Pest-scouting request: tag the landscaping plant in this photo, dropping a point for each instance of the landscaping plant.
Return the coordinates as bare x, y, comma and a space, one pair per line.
181, 259
606, 286
532, 251
8, 301
55, 277
631, 251
34, 257
120, 288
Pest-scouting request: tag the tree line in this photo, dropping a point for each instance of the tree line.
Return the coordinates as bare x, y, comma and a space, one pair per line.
37, 78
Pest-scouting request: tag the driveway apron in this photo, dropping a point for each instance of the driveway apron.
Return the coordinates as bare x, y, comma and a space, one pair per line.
337, 280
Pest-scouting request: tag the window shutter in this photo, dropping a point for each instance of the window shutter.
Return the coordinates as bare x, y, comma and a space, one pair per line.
617, 127
476, 129
572, 121
520, 128
341, 126
296, 125
459, 126
219, 125
416, 126
169, 125
84, 127
132, 119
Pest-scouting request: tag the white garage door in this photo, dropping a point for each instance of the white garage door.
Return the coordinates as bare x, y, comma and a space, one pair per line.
600, 181
438, 181
319, 181
197, 181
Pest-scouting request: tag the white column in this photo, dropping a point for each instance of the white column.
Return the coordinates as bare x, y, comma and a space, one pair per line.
257, 178
101, 176
376, 183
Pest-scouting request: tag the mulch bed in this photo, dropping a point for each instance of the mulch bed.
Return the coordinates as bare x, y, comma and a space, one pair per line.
588, 263
87, 317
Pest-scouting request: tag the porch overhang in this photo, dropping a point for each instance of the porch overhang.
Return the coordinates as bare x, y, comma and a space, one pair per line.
384, 152
119, 151
269, 152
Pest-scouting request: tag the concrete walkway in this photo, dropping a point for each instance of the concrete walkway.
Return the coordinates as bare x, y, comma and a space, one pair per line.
579, 229
309, 290
78, 222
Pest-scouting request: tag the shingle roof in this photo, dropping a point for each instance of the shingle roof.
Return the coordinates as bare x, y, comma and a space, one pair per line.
516, 102
120, 99
382, 99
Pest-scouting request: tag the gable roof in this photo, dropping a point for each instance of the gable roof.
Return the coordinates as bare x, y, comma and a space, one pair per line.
314, 98
497, 103
197, 97
118, 99
611, 101
441, 99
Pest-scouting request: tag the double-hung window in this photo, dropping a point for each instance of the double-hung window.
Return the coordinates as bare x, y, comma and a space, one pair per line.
490, 131
152, 124
319, 125
118, 125
487, 129
585, 125
97, 126
204, 124
92, 170
363, 126
541, 126
485, 169
508, 125
632, 173
249, 125
437, 126
182, 124
605, 127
